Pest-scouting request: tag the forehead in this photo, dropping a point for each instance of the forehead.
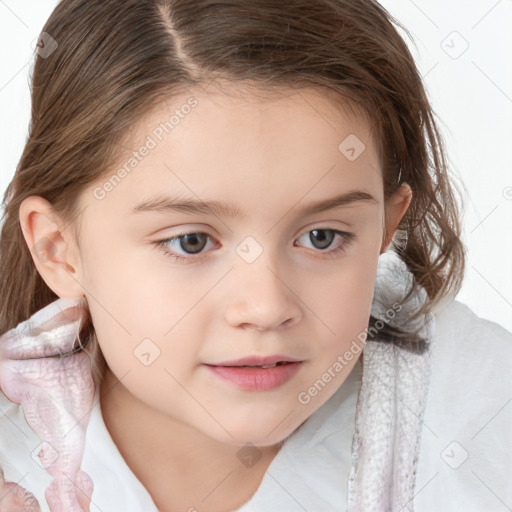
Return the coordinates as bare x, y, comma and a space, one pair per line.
222, 110
254, 110
247, 144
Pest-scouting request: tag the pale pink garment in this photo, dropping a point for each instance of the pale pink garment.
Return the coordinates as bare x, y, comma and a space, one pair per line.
56, 392
15, 498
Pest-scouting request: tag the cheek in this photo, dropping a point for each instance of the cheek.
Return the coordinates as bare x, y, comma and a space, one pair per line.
139, 287
127, 301
147, 333
344, 301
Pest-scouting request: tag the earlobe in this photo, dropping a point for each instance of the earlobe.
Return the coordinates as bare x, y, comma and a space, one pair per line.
396, 207
50, 247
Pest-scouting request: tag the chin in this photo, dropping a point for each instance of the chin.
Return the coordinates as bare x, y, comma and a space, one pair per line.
257, 435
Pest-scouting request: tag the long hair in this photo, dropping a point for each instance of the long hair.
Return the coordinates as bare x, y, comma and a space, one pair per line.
106, 63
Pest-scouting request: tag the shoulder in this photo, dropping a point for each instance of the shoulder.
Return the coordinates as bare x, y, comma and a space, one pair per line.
466, 448
19, 447
479, 349
16, 437
449, 313
470, 365
6, 406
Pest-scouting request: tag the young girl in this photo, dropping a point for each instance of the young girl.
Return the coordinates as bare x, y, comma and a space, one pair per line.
308, 353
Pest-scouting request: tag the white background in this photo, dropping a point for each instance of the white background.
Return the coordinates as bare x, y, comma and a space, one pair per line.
471, 93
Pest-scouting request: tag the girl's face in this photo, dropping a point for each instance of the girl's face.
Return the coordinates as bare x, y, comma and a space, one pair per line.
275, 263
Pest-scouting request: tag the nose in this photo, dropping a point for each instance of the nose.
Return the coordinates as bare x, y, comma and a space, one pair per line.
262, 298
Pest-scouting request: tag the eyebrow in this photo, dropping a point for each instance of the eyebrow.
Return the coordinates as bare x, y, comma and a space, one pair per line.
164, 204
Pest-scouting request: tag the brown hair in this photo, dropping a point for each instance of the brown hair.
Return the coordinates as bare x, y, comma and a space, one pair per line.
116, 60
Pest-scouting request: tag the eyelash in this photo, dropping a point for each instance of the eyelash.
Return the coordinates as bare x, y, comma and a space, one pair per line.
347, 238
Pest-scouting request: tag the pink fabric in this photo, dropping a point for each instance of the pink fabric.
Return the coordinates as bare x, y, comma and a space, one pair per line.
56, 394
15, 498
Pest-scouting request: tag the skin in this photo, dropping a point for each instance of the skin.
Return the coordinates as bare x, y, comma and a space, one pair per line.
178, 426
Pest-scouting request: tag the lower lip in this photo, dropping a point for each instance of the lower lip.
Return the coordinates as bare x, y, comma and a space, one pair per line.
257, 379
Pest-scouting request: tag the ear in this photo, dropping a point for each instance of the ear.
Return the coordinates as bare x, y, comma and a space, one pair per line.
52, 246
395, 209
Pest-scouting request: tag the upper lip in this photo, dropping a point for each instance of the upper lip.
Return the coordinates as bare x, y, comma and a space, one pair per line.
256, 360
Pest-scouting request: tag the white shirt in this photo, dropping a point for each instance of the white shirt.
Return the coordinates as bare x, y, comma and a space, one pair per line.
465, 458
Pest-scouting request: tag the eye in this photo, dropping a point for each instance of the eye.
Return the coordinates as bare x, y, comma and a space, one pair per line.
190, 243
185, 245
324, 238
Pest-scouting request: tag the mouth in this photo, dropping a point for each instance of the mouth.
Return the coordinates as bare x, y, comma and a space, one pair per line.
259, 361
256, 377
279, 363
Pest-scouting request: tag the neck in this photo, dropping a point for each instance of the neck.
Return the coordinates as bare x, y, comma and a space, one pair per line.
180, 466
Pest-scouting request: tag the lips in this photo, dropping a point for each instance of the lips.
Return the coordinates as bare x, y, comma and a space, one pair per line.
257, 373
258, 361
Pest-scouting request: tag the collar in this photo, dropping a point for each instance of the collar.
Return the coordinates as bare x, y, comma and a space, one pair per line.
392, 398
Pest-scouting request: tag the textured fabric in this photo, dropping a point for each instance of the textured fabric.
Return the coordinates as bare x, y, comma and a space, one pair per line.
392, 399
56, 394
